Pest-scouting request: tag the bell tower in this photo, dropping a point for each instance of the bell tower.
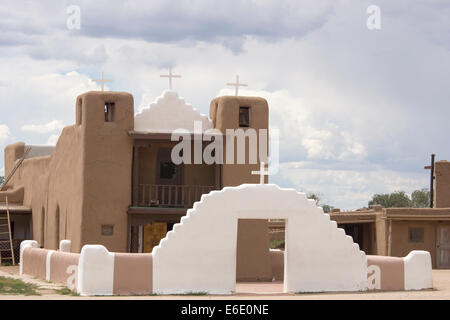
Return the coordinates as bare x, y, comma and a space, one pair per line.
245, 113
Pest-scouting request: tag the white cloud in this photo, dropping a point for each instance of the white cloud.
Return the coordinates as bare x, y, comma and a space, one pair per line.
349, 188
352, 101
53, 139
5, 138
308, 133
55, 125
5, 134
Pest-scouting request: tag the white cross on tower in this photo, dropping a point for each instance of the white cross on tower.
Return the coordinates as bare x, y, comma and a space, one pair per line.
170, 76
102, 81
237, 84
262, 172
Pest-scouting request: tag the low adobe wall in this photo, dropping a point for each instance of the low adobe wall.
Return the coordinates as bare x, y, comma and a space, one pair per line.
133, 273
56, 266
63, 268
93, 272
98, 272
413, 272
34, 262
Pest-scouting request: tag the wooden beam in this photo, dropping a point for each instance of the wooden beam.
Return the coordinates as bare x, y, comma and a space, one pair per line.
135, 183
390, 238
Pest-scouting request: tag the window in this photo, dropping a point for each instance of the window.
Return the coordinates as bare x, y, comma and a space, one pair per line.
107, 230
109, 111
167, 170
415, 235
244, 116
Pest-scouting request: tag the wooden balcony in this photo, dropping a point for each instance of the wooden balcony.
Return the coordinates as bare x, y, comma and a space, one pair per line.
170, 196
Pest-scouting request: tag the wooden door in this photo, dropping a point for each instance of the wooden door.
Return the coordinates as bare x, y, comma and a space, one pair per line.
169, 179
153, 233
443, 247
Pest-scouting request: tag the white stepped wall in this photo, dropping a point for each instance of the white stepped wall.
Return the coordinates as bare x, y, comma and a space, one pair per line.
199, 254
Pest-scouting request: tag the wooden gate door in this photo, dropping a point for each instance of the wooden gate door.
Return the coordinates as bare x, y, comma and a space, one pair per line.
443, 247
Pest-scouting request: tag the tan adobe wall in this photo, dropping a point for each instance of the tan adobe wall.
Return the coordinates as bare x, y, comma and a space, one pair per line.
107, 169
400, 242
442, 184
14, 195
60, 264
392, 272
86, 181
34, 262
133, 273
12, 153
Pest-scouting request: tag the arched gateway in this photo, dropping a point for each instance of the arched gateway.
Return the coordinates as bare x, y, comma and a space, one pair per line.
199, 254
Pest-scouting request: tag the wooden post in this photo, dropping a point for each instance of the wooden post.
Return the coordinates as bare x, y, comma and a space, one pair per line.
135, 184
390, 238
432, 182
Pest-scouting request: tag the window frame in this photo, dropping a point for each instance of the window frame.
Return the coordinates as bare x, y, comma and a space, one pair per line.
248, 108
109, 111
412, 239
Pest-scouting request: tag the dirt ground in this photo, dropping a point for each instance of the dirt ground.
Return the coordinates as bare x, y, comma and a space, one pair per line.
255, 290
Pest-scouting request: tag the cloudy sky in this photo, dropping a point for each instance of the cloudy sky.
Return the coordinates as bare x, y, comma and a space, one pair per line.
359, 110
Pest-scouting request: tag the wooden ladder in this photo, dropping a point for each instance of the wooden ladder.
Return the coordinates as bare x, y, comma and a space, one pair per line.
5, 228
27, 149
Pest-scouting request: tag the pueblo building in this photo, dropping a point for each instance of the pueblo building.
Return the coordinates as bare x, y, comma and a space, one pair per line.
398, 231
110, 179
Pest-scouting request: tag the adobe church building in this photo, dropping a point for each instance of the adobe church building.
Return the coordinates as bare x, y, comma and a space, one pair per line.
110, 179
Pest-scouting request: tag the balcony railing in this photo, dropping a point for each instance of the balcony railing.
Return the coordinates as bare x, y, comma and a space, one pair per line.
180, 196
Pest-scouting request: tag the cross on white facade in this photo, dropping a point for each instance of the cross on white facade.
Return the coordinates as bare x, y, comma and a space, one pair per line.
237, 84
170, 76
262, 172
102, 81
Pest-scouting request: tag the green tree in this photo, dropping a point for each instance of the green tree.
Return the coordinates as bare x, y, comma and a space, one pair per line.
420, 198
325, 207
2, 179
397, 199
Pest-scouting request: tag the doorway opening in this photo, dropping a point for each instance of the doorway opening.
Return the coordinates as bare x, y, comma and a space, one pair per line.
363, 234
443, 247
260, 250
147, 236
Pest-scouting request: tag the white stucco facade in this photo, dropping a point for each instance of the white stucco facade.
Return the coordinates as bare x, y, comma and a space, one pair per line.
168, 113
199, 254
